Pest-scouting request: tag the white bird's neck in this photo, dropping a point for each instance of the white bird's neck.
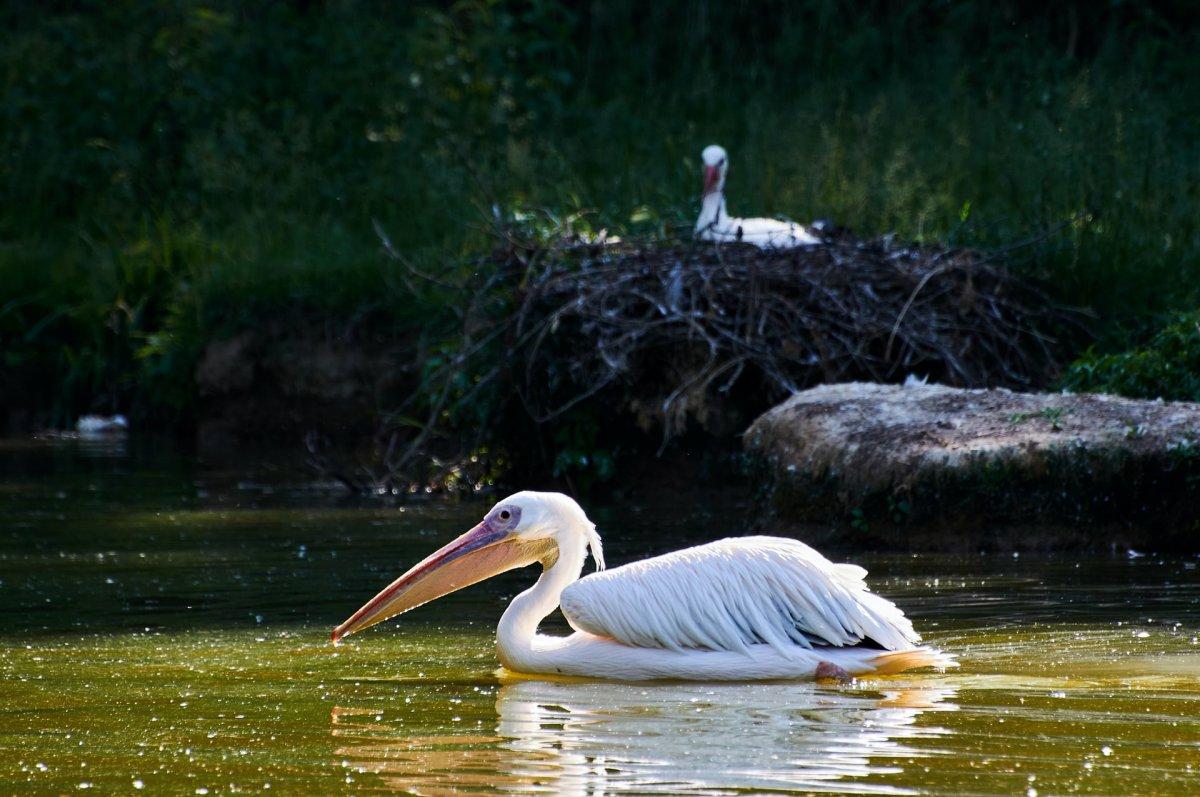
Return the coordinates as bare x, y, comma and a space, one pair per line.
712, 208
518, 626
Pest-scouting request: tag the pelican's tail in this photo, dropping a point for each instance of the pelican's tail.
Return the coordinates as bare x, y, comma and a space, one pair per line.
893, 661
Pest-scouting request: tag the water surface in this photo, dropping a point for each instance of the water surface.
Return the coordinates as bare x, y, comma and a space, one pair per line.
164, 626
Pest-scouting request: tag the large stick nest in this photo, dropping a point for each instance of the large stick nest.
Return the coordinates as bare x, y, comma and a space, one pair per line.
679, 326
677, 331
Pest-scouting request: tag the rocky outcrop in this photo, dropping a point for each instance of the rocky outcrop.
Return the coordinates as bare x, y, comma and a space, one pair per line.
930, 465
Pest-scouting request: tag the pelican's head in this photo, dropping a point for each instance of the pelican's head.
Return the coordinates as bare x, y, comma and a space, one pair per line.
716, 162
524, 528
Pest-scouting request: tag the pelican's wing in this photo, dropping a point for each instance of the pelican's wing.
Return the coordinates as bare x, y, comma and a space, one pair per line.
736, 592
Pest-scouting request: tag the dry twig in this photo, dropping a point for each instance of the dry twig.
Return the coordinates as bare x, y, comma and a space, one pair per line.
672, 330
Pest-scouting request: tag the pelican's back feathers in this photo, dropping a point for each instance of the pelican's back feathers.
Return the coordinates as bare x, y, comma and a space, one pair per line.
733, 593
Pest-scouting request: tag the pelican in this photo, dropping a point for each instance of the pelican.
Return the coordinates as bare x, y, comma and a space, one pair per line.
715, 224
738, 609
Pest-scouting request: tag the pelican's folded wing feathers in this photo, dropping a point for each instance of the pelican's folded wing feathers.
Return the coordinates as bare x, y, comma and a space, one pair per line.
733, 593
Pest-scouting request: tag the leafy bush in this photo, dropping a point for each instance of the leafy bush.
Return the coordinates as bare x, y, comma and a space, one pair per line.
1167, 366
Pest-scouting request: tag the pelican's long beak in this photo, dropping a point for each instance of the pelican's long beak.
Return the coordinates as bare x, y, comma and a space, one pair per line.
480, 553
712, 177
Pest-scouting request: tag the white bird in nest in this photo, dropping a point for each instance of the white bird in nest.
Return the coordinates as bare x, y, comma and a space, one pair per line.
738, 609
715, 224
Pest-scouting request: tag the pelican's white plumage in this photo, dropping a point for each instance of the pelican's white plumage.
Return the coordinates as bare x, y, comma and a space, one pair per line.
715, 224
734, 593
737, 609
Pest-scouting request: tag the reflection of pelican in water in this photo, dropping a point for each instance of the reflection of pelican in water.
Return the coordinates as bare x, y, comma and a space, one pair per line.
605, 738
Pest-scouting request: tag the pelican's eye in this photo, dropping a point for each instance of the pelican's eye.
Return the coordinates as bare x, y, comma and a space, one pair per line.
507, 517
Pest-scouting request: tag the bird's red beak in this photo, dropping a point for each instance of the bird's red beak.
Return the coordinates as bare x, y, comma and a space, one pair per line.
712, 177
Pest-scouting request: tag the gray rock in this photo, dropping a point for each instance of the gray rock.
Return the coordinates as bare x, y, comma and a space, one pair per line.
894, 462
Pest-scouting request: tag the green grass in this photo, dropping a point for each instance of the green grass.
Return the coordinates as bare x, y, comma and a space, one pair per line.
175, 172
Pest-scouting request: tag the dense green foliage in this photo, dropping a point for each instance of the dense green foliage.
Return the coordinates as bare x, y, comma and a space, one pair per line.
1167, 366
173, 172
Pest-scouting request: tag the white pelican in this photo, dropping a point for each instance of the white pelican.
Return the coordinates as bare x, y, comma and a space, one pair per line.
715, 224
739, 609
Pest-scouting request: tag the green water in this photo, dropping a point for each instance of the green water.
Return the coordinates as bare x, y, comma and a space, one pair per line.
163, 627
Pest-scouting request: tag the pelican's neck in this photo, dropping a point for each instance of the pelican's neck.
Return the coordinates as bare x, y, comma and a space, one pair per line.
712, 208
518, 625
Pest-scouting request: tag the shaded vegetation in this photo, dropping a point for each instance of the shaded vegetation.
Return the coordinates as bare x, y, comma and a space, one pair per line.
1166, 366
177, 174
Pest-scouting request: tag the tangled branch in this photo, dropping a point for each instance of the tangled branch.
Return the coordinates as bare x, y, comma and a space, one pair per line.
678, 326
674, 332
